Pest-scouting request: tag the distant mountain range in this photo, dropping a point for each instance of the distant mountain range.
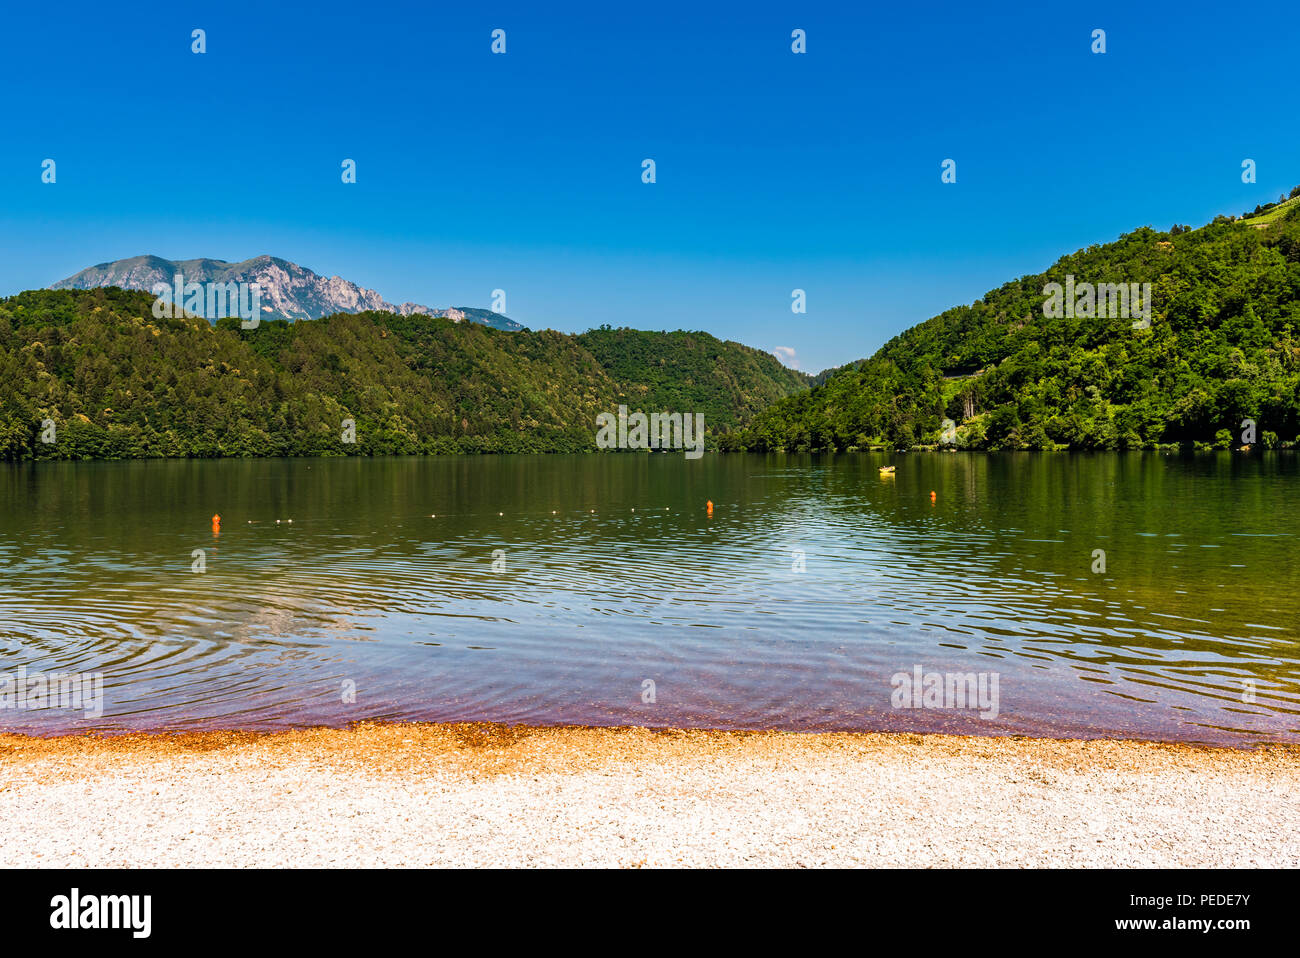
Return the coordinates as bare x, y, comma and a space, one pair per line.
288, 291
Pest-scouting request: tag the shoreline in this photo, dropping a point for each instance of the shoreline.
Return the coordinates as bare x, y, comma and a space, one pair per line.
485, 794
140, 740
1164, 448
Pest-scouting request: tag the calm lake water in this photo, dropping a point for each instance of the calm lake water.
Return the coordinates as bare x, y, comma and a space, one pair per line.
814, 583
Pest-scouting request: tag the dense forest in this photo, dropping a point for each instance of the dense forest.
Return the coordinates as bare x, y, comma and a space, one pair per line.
96, 373
1223, 346
92, 374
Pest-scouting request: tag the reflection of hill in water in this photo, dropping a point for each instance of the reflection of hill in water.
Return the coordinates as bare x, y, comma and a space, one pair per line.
365, 585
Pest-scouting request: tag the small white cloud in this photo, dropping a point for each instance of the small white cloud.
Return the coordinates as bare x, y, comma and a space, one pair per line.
786, 355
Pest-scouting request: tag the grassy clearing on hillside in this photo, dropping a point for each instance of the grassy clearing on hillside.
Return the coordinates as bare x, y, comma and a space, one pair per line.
1270, 216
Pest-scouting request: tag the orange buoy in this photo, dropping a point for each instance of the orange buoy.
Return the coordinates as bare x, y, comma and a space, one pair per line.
933, 496
708, 507
216, 523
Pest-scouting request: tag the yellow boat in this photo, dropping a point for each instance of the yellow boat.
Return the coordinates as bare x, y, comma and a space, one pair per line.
886, 470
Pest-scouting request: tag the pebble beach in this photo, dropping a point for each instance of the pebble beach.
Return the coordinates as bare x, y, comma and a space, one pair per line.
422, 795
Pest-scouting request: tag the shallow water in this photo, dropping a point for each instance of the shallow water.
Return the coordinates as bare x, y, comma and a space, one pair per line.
387, 581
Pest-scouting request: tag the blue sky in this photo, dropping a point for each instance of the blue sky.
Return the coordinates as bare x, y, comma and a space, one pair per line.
522, 171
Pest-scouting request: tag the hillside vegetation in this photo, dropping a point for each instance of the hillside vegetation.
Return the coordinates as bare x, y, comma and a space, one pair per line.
682, 370
1222, 347
118, 383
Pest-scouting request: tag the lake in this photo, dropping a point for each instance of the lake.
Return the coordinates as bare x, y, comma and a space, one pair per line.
599, 590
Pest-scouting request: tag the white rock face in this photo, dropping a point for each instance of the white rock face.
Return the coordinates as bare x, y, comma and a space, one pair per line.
288, 290
406, 309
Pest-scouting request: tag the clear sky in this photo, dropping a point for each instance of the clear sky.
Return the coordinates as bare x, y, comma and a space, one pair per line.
523, 171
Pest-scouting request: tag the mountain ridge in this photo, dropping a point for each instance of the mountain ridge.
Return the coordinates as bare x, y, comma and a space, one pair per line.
93, 374
289, 291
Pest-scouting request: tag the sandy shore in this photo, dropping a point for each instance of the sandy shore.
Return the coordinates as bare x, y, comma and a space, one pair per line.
421, 795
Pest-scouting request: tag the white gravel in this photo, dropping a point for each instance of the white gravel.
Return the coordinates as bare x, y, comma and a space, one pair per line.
410, 796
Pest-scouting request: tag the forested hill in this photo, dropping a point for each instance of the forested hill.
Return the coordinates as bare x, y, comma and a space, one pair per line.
116, 382
1223, 345
680, 370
